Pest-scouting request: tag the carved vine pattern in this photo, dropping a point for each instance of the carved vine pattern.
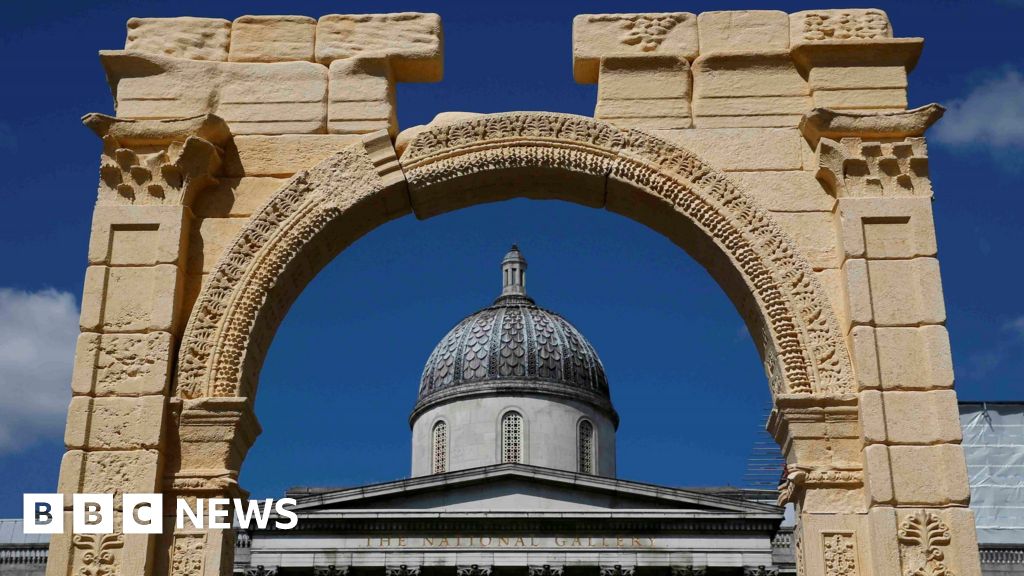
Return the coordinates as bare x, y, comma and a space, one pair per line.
802, 336
647, 31
922, 535
99, 557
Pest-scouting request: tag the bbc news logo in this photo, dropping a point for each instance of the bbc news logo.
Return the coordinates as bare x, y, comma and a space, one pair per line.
143, 513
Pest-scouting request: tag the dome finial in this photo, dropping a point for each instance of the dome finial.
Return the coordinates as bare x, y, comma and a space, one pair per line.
513, 273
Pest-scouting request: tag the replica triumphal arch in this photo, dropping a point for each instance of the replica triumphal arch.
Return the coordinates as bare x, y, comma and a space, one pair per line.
775, 148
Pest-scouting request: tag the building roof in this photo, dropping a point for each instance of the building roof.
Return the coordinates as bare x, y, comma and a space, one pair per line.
514, 346
12, 533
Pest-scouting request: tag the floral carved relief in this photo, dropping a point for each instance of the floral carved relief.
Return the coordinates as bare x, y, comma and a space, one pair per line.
923, 536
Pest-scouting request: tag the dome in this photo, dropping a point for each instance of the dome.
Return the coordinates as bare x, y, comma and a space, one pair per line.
514, 347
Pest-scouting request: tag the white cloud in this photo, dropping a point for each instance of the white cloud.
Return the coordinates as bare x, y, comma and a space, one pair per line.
991, 115
37, 346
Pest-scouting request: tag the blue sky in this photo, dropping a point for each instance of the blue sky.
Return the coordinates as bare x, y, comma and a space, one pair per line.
342, 374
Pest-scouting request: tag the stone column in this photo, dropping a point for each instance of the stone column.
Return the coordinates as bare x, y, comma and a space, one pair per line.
915, 486
131, 315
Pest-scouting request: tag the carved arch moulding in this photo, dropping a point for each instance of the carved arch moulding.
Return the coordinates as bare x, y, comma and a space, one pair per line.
493, 157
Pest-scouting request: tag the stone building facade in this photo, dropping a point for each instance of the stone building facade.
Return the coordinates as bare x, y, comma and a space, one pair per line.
776, 149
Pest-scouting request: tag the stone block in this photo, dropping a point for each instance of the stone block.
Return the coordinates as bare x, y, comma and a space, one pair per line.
122, 364
361, 98
137, 235
184, 37
914, 418
238, 197
929, 475
885, 99
831, 280
272, 39
877, 475
117, 473
747, 75
253, 98
211, 237
644, 92
785, 191
886, 228
283, 155
743, 149
894, 292
810, 26
411, 42
743, 31
857, 77
902, 358
815, 234
132, 299
115, 423
598, 36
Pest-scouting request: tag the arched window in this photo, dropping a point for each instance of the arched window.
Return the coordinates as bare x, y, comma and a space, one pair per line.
512, 437
440, 447
586, 447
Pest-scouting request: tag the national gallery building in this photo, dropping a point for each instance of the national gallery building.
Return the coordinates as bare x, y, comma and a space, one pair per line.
513, 473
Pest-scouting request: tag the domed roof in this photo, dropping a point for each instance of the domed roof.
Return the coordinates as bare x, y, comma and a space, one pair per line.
514, 346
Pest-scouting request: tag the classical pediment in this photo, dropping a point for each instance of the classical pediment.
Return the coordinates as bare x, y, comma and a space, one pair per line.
522, 488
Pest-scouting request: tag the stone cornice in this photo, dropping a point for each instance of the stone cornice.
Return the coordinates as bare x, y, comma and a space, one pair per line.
836, 125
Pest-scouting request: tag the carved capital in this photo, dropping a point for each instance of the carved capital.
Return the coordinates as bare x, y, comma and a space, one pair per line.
213, 436
855, 168
157, 161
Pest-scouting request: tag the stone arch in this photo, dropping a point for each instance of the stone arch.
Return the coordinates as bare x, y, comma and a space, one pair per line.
494, 157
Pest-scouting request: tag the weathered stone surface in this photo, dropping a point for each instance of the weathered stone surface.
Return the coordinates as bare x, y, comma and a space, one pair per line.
405, 137
902, 358
210, 236
853, 167
130, 299
785, 191
361, 97
236, 196
741, 148
912, 418
122, 364
254, 98
857, 77
838, 25
283, 155
184, 37
748, 89
137, 235
644, 92
887, 228
597, 36
743, 31
929, 475
272, 38
889, 99
117, 473
894, 292
815, 234
115, 423
411, 42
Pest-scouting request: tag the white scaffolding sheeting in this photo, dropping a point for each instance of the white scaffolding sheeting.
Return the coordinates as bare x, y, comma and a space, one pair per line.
994, 446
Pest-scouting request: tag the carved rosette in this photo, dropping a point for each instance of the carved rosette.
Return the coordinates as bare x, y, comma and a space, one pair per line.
803, 348
100, 554
922, 537
840, 554
187, 554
